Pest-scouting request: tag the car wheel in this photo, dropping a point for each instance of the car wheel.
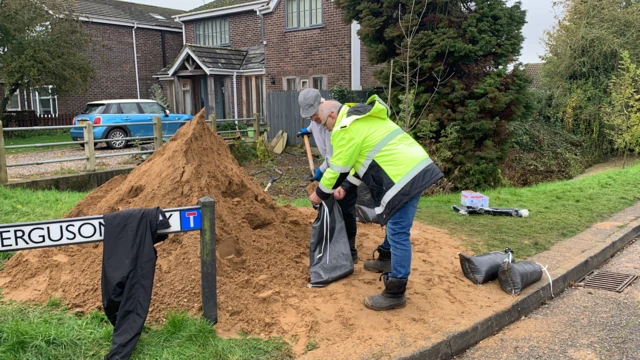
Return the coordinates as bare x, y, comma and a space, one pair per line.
116, 134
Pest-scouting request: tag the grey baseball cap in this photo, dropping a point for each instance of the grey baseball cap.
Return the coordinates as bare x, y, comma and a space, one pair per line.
309, 101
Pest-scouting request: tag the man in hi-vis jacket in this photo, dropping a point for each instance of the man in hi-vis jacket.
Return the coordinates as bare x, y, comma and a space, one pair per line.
369, 145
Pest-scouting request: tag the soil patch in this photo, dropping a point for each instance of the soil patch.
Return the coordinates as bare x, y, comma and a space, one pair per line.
263, 262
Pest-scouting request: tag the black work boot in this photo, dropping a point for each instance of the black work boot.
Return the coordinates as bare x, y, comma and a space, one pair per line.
382, 264
392, 297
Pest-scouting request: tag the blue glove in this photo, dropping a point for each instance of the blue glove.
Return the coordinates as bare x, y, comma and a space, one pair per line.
304, 131
318, 176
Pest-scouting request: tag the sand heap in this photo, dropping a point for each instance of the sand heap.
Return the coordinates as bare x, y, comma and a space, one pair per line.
261, 245
263, 263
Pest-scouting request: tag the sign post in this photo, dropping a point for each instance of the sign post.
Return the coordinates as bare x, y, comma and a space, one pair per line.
208, 259
82, 230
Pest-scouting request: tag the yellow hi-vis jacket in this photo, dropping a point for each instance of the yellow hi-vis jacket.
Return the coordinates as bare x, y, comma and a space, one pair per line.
369, 147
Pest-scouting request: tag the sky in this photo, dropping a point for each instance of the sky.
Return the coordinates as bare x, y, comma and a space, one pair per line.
540, 17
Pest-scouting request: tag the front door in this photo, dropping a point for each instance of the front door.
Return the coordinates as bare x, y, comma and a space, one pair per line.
218, 83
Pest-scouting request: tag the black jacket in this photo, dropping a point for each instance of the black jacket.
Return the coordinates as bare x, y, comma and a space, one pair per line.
128, 268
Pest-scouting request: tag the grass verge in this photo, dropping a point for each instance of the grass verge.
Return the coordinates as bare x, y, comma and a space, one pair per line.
557, 211
50, 332
45, 138
23, 205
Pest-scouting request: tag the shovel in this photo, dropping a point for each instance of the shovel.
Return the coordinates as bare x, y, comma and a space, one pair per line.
309, 156
273, 178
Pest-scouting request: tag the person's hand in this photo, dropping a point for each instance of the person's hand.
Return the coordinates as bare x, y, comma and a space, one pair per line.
315, 200
304, 131
339, 193
318, 175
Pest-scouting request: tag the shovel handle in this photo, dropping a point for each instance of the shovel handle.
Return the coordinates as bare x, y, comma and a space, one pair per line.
308, 147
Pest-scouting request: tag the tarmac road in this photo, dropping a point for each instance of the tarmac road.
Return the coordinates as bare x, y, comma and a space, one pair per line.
581, 323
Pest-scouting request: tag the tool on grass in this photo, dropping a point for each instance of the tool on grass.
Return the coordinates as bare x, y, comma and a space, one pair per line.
309, 156
273, 178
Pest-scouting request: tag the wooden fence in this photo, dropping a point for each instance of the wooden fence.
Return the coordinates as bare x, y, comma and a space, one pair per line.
30, 119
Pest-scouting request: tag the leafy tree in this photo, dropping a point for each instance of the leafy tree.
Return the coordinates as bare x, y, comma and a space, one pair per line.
41, 44
622, 115
461, 94
157, 94
583, 51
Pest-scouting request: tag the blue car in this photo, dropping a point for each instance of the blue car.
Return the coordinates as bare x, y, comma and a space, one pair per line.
118, 114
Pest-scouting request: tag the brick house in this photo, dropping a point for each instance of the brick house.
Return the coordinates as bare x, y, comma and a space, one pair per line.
131, 42
235, 51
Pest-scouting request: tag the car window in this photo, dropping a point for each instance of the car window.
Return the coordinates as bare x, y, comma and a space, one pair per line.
151, 108
130, 108
113, 109
94, 109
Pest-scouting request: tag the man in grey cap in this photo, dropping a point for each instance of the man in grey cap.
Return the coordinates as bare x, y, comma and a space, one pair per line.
309, 101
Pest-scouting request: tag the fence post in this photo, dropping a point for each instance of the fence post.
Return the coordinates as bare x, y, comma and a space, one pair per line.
157, 133
89, 146
208, 259
4, 178
213, 124
256, 126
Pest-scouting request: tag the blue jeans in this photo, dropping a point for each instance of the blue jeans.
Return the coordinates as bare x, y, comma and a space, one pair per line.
397, 239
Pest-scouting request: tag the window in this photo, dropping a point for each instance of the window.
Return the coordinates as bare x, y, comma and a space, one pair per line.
14, 102
213, 32
45, 100
94, 109
317, 83
249, 98
260, 95
186, 95
291, 84
303, 13
113, 109
298, 83
130, 108
151, 108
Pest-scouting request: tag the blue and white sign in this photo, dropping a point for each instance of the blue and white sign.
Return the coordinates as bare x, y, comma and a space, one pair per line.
190, 220
82, 230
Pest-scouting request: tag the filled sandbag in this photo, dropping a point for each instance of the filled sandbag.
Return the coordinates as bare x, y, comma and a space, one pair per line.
329, 254
482, 268
517, 276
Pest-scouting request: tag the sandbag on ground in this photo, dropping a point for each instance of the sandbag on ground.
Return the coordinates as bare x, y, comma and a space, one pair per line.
515, 277
482, 268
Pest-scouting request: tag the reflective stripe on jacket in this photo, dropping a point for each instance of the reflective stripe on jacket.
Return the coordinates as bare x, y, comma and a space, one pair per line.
368, 146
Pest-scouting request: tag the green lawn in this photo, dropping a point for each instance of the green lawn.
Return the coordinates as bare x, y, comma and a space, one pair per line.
49, 332
49, 137
21, 205
557, 211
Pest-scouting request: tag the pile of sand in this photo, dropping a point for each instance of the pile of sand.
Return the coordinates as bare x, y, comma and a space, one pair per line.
262, 261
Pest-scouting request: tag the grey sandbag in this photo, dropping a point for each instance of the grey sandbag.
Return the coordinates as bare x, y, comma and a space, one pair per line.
482, 268
365, 206
515, 277
329, 254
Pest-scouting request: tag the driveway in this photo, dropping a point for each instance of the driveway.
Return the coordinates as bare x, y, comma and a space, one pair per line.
67, 167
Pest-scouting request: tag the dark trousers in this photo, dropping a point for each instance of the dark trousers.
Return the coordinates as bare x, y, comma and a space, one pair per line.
348, 208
